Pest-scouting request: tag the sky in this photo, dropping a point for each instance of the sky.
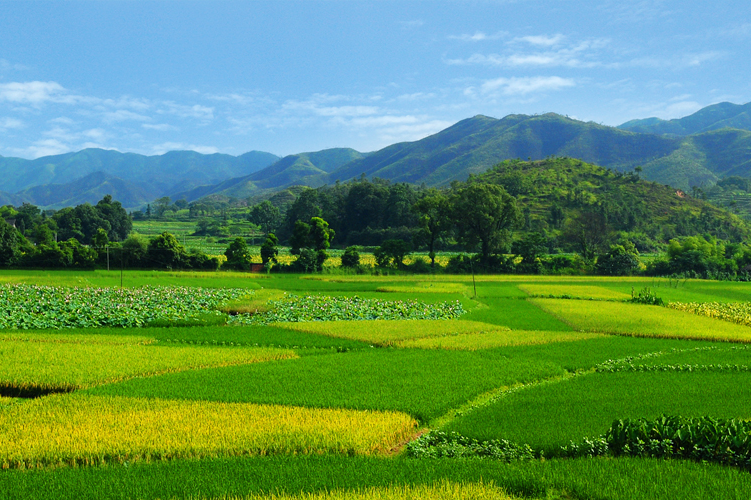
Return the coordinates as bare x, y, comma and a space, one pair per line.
294, 76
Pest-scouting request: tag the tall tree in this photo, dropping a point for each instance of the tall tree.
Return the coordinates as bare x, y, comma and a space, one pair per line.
484, 215
434, 220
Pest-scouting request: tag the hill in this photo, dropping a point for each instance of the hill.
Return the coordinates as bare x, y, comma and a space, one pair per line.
165, 174
714, 117
555, 191
91, 187
308, 169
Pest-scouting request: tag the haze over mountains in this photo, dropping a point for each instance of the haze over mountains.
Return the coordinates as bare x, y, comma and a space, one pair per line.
696, 150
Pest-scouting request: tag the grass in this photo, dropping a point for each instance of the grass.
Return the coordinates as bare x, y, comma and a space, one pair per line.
549, 416
423, 383
442, 490
52, 366
599, 478
91, 336
642, 320
517, 314
390, 332
89, 430
573, 291
496, 338
717, 356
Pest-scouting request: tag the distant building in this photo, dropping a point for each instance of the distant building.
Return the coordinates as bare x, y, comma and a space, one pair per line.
11, 222
256, 268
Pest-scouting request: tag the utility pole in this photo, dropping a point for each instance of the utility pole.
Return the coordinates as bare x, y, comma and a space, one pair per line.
108, 256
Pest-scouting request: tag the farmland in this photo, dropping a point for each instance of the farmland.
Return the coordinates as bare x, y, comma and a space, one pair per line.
235, 385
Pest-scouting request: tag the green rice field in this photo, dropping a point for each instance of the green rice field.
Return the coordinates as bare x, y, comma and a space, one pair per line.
230, 385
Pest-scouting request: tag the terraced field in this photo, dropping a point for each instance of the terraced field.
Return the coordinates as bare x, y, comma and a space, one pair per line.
230, 385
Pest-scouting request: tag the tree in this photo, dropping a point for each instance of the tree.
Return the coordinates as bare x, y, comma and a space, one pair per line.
161, 205
531, 248
300, 237
392, 251
620, 260
134, 249
484, 215
113, 212
238, 255
269, 250
165, 251
351, 257
266, 216
10, 244
433, 210
589, 232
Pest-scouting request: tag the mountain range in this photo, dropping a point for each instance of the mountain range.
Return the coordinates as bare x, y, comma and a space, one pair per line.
696, 150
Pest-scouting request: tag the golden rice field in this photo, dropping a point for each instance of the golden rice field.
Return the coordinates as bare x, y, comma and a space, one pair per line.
572, 291
387, 332
443, 490
67, 366
497, 338
85, 429
735, 312
74, 338
426, 287
642, 321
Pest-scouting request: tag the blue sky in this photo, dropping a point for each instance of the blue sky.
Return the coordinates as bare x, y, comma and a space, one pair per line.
293, 76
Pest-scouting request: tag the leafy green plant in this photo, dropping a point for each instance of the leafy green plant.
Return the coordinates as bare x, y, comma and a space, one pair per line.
646, 296
438, 444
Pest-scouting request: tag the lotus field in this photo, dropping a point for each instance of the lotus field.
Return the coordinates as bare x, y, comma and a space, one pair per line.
244, 386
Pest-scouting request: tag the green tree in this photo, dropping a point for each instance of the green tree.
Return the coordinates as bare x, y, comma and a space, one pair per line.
392, 252
266, 216
484, 215
10, 244
620, 260
351, 256
269, 251
300, 237
434, 220
166, 252
113, 212
238, 255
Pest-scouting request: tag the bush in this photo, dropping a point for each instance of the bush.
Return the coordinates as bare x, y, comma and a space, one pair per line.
351, 257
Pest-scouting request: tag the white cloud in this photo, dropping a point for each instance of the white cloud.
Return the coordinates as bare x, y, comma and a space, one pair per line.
542, 40
525, 85
161, 127
122, 115
63, 120
6, 65
579, 55
479, 36
7, 123
31, 92
197, 111
45, 147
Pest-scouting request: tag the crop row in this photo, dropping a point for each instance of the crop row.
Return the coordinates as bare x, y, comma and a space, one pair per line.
735, 312
389, 332
294, 308
68, 366
40, 307
84, 429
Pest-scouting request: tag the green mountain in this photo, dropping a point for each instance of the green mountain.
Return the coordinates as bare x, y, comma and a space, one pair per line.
714, 117
556, 191
310, 169
165, 174
91, 187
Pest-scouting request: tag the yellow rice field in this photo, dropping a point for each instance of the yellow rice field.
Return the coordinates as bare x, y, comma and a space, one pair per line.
68, 366
573, 291
642, 320
85, 429
386, 332
497, 338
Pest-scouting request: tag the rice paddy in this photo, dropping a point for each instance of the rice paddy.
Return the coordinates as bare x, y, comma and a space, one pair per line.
234, 385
